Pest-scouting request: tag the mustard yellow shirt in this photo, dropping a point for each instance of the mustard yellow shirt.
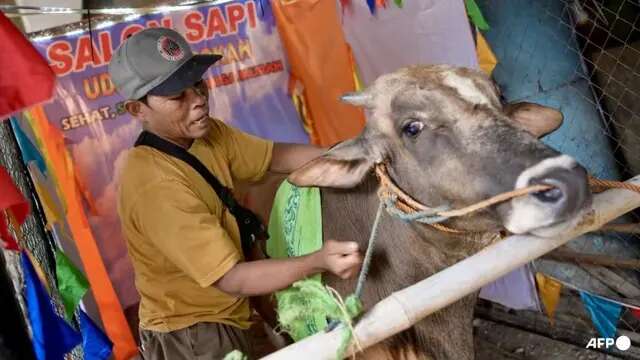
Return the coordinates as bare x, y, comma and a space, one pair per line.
180, 237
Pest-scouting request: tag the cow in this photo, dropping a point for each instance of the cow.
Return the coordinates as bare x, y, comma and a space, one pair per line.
446, 138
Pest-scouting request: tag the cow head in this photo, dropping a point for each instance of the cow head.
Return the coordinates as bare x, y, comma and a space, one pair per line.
447, 139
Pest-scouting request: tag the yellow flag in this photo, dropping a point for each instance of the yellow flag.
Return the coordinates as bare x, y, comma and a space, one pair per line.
40, 134
549, 290
486, 57
52, 210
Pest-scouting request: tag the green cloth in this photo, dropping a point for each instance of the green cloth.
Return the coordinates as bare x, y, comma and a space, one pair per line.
72, 284
475, 14
295, 229
235, 355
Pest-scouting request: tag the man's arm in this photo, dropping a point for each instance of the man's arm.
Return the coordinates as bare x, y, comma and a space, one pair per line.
288, 157
266, 276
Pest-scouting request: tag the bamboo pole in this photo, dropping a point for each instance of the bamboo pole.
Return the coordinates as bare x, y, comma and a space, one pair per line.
404, 308
621, 228
592, 259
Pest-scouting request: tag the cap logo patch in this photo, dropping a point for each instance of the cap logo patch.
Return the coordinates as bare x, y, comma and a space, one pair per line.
169, 49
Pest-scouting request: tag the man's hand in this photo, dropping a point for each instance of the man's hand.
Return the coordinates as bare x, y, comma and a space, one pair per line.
341, 258
288, 157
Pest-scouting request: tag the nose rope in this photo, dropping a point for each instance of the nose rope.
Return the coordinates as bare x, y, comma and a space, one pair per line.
599, 185
401, 205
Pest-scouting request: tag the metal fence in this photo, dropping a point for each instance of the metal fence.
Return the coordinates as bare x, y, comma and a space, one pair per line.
598, 90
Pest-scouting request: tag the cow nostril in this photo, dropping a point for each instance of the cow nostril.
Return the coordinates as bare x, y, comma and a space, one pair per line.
556, 194
549, 196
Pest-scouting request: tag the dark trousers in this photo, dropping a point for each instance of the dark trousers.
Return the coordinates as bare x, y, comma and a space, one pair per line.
202, 341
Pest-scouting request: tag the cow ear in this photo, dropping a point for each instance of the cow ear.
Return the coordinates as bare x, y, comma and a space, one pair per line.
344, 166
537, 119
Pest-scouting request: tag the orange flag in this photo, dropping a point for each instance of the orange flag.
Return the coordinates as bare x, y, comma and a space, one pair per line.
549, 290
111, 313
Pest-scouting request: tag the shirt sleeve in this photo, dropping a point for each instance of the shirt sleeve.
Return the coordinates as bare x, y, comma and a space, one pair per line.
249, 156
181, 226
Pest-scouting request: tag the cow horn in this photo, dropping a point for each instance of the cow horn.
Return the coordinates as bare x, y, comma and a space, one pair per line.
359, 98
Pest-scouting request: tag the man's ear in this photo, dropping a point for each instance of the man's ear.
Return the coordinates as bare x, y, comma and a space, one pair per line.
537, 119
343, 166
134, 108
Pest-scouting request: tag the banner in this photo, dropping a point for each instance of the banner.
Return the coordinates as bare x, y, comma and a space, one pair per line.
248, 91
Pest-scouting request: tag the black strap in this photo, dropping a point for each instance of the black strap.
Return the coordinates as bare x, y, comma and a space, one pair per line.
226, 196
251, 228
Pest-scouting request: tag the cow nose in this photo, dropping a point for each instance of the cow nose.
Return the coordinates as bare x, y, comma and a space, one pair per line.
540, 212
570, 189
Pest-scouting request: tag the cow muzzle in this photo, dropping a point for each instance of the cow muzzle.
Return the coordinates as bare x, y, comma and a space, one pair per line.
549, 212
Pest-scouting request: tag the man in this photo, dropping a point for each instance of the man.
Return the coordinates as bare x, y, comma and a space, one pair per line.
184, 243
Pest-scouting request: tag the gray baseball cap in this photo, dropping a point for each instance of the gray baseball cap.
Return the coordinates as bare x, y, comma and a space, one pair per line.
156, 61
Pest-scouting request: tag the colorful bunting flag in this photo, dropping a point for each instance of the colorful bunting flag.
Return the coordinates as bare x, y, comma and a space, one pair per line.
95, 344
26, 78
46, 193
549, 290
604, 314
72, 284
372, 6
51, 139
11, 198
8, 242
515, 290
52, 336
475, 14
28, 150
486, 58
12, 203
635, 312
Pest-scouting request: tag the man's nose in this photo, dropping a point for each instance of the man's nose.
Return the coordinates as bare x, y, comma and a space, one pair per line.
197, 95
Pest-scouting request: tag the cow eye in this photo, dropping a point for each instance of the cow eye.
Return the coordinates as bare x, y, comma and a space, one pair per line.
413, 128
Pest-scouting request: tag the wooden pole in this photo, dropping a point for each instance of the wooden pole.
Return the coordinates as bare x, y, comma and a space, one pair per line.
404, 308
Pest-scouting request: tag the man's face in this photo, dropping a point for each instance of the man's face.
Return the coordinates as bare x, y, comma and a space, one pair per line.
182, 116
